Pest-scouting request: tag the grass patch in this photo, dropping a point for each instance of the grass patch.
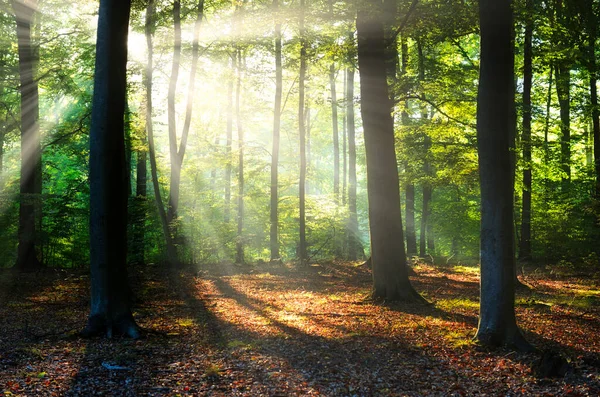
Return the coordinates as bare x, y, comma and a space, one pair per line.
457, 304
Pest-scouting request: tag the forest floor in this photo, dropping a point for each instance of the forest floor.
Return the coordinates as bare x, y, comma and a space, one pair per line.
277, 330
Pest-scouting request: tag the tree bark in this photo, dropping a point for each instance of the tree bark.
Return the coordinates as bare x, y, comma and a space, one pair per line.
525, 240
110, 312
30, 186
302, 136
390, 273
495, 104
274, 232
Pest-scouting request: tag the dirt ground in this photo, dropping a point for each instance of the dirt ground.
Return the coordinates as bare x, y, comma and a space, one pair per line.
279, 330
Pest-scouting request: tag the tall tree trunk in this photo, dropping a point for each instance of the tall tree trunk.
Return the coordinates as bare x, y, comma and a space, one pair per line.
334, 128
525, 240
411, 236
344, 150
110, 311
390, 274
495, 104
563, 83
353, 242
274, 232
592, 27
228, 143
139, 223
172, 122
239, 257
302, 136
177, 154
149, 31
30, 186
425, 240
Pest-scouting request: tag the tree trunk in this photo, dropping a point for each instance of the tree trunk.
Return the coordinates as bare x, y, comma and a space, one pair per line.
344, 151
110, 312
149, 29
563, 83
139, 223
525, 240
353, 242
390, 273
302, 137
497, 322
239, 256
30, 186
592, 27
274, 232
334, 128
228, 143
411, 236
425, 240
177, 154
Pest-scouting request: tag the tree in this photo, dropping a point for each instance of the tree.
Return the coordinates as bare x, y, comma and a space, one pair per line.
274, 214
149, 31
30, 187
239, 256
495, 104
525, 239
302, 135
110, 312
353, 242
390, 273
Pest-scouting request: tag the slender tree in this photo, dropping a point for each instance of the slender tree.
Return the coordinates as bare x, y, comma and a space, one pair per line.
411, 236
30, 186
274, 231
302, 135
110, 312
525, 238
353, 246
149, 32
239, 257
495, 104
390, 274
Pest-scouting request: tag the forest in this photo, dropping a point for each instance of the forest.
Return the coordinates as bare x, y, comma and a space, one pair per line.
309, 197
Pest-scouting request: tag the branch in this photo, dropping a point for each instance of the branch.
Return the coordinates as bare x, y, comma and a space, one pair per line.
405, 20
437, 108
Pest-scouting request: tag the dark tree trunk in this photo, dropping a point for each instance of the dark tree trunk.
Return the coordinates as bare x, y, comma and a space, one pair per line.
592, 28
302, 135
336, 140
110, 312
274, 235
353, 242
30, 186
239, 246
139, 229
525, 240
390, 273
563, 83
495, 104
